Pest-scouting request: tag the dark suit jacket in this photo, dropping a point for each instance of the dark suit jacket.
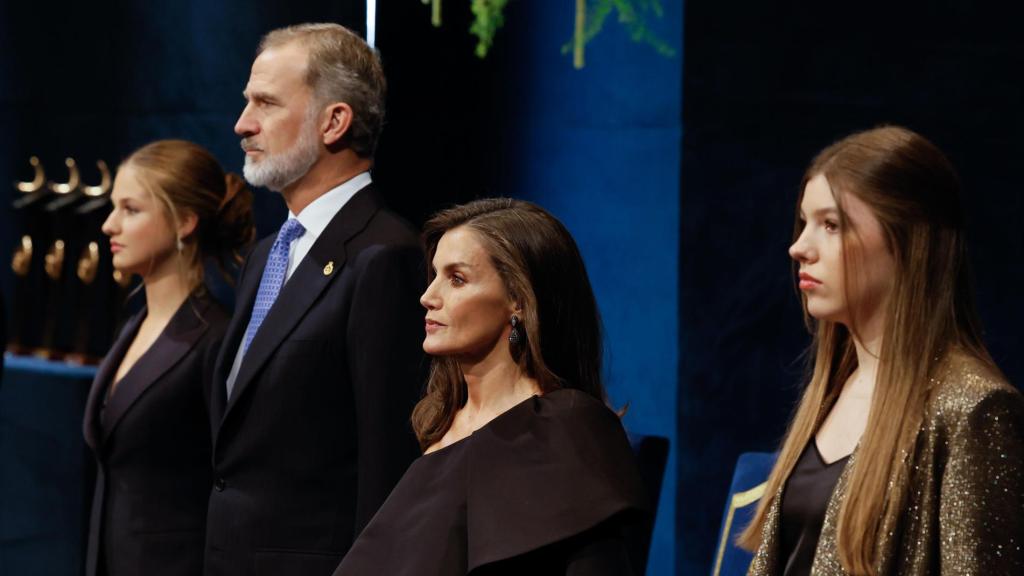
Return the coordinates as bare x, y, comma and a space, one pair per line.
152, 446
316, 432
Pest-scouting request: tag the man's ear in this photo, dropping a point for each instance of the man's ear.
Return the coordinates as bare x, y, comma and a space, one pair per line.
337, 123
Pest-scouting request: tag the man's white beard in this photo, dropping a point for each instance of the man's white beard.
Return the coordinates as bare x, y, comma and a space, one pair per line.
275, 172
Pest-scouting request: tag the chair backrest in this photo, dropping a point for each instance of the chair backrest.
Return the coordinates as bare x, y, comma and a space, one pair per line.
748, 484
651, 456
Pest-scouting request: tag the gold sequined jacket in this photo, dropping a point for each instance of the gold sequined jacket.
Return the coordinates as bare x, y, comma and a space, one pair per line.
965, 506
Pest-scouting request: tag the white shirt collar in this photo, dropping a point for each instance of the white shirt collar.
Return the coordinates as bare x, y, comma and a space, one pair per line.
318, 214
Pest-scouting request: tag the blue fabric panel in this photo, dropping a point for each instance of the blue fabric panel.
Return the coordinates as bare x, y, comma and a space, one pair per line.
46, 471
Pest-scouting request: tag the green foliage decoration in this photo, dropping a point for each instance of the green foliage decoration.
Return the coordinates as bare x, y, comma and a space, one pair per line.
632, 14
488, 17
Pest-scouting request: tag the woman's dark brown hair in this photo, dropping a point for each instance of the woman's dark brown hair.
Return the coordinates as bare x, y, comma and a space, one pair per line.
542, 269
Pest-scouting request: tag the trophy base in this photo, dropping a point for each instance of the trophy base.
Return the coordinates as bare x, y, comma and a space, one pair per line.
47, 354
15, 349
75, 358
82, 359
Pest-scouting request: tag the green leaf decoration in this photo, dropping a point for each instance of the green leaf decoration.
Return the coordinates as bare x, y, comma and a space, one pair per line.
488, 17
632, 14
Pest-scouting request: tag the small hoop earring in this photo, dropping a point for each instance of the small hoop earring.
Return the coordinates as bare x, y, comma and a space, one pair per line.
515, 335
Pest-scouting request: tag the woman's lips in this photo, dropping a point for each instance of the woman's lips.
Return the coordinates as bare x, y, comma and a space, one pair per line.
808, 282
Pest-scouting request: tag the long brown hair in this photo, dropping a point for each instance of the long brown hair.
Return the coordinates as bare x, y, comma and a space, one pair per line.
185, 177
913, 191
542, 269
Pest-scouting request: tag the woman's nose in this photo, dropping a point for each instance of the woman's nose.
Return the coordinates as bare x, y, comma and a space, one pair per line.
429, 298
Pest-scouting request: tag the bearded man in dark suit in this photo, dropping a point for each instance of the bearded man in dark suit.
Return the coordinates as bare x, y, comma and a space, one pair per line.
321, 364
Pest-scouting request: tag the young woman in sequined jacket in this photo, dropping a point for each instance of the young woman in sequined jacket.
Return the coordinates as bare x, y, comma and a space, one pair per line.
906, 453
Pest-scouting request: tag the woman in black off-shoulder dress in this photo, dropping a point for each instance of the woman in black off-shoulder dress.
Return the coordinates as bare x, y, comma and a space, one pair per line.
525, 470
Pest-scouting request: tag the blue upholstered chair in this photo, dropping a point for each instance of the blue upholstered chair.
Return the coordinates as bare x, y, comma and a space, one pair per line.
651, 456
748, 484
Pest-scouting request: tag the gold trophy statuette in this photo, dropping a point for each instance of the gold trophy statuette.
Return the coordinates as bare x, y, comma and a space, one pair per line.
74, 179
55, 260
123, 280
89, 263
105, 182
22, 260
37, 182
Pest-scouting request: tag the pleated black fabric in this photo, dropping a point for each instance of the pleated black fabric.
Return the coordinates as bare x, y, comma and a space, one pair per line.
546, 487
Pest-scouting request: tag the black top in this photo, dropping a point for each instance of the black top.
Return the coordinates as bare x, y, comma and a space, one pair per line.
804, 502
545, 488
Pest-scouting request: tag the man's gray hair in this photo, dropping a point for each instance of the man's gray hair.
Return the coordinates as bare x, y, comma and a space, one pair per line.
341, 67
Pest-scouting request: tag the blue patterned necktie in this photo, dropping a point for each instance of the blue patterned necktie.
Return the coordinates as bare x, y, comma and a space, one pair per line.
273, 278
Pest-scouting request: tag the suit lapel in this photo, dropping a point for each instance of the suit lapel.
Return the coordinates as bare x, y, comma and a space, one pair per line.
244, 301
105, 375
304, 287
178, 337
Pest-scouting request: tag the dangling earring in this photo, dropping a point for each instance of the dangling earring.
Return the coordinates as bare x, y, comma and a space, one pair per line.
514, 335
181, 245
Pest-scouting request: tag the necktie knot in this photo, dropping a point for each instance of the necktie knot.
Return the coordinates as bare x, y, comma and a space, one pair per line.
291, 230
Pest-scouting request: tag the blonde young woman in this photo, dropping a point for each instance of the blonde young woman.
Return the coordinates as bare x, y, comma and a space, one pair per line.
906, 454
147, 417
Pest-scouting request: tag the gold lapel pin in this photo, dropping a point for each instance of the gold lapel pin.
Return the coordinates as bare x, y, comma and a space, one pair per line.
329, 268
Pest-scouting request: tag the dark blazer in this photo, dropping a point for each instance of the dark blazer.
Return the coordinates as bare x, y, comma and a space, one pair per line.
152, 447
316, 432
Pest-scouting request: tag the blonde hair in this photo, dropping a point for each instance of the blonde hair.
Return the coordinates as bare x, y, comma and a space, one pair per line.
913, 191
185, 178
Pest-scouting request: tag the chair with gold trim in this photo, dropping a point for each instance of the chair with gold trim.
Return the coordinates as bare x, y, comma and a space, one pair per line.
748, 483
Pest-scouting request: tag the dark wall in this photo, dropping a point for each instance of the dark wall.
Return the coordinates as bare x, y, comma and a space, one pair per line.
440, 142
767, 85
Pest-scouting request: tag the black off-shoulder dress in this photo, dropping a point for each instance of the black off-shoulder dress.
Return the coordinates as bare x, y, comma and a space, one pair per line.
548, 487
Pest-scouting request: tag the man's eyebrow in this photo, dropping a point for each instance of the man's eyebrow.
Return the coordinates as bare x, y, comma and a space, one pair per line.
258, 95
